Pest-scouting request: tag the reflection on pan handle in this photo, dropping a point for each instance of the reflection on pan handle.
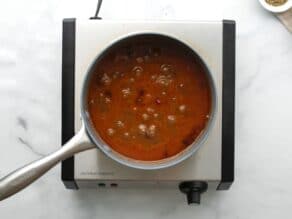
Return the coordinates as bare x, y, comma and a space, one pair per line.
22, 177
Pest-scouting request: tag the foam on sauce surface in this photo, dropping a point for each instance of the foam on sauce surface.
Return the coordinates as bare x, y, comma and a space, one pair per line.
149, 100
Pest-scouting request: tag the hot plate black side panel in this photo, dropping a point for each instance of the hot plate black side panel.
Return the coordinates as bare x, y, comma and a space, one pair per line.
228, 106
68, 70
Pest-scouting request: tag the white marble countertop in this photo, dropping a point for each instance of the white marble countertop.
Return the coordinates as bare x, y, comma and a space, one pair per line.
30, 112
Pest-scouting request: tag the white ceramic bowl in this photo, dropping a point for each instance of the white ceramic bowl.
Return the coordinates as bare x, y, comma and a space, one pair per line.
276, 9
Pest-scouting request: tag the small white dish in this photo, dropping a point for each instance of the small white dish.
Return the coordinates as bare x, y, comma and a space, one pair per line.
276, 9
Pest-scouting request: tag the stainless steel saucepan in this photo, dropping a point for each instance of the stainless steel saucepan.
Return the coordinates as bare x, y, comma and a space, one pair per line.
88, 138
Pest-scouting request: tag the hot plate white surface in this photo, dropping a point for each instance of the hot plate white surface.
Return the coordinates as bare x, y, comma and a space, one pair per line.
205, 38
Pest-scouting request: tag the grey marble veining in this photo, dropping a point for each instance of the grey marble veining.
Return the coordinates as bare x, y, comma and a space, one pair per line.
22, 122
30, 92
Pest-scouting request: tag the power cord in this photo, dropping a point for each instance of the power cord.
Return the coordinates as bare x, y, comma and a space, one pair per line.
97, 10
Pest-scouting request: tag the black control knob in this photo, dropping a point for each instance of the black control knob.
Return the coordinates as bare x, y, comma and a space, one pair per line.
193, 190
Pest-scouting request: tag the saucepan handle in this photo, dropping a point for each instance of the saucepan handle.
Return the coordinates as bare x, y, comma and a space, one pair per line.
22, 177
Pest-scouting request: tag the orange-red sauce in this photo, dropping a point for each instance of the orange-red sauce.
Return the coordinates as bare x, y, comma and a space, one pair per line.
149, 100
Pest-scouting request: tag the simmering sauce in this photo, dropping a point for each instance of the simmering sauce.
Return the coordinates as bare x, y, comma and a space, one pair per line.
149, 98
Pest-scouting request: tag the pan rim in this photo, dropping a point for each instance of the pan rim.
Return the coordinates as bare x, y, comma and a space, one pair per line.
140, 164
